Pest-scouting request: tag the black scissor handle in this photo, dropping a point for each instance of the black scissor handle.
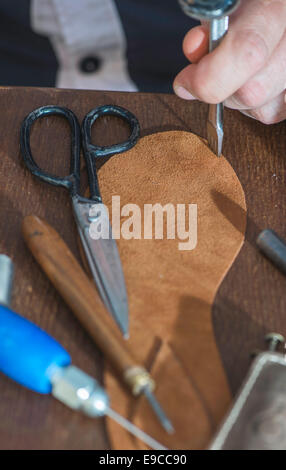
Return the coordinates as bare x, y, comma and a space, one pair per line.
93, 152
108, 151
70, 182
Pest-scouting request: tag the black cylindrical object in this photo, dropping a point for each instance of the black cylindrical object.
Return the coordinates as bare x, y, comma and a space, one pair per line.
273, 247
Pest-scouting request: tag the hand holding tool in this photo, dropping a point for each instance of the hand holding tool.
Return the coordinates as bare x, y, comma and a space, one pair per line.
102, 254
216, 12
34, 359
77, 290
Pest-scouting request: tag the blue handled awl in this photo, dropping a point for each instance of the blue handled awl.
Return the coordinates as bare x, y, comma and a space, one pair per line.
34, 359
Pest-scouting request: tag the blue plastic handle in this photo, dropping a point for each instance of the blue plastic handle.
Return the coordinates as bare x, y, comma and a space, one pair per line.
28, 355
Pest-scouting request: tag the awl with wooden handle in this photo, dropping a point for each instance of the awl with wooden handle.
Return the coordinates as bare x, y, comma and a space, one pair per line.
79, 293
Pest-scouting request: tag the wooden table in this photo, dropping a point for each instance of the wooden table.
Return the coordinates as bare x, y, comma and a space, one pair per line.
251, 300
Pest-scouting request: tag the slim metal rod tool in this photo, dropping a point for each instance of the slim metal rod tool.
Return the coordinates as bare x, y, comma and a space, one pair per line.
218, 29
78, 291
134, 430
166, 423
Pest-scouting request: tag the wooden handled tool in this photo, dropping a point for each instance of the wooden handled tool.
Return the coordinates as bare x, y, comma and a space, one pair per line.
79, 292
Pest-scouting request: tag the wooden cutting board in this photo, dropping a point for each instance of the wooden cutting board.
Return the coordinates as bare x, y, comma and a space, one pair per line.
249, 303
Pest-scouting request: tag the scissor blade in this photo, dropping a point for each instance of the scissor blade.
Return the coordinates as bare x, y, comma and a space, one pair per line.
104, 262
107, 272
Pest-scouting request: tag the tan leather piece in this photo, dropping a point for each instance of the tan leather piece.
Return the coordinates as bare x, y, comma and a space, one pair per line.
171, 291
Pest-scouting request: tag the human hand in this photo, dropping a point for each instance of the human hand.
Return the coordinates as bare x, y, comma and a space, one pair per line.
248, 69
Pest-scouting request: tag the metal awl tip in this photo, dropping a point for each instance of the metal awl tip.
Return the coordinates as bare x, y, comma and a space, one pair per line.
217, 29
161, 415
215, 128
130, 427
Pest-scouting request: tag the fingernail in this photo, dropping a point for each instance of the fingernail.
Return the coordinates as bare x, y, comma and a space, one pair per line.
181, 92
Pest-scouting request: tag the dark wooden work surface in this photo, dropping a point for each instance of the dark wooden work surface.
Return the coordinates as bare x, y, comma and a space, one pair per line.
251, 300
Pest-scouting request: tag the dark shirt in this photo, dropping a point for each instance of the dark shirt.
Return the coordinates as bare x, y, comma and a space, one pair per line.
154, 30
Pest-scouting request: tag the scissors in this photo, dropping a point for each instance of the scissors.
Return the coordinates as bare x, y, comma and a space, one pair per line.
101, 253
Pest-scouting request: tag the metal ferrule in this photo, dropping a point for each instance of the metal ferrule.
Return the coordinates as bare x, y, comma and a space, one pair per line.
6, 280
139, 379
79, 391
208, 9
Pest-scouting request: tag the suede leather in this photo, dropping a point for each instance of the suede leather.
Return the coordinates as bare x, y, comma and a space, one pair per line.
171, 292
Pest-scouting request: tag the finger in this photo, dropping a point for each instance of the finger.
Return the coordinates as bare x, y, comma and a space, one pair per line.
252, 38
265, 85
196, 43
270, 113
